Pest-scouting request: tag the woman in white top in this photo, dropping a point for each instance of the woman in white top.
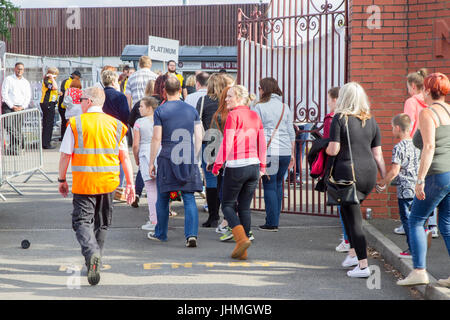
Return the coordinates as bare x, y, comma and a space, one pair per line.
279, 131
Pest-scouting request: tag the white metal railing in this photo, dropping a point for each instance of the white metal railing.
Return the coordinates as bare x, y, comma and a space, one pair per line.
21, 147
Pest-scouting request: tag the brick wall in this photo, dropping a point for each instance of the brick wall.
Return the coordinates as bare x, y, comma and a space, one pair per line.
412, 34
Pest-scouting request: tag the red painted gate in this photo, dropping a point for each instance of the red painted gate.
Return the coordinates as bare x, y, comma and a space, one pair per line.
302, 44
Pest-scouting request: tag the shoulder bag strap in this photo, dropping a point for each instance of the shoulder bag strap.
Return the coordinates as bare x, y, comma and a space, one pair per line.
350, 149
201, 107
276, 128
351, 154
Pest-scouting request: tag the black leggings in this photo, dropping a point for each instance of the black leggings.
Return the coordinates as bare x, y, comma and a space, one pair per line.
352, 218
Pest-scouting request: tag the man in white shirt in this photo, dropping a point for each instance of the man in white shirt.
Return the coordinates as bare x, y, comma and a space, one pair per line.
137, 82
201, 83
16, 96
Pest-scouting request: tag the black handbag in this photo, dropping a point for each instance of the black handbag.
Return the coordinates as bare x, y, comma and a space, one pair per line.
342, 191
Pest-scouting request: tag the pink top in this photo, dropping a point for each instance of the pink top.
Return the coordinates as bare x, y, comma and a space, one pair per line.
243, 138
412, 108
327, 124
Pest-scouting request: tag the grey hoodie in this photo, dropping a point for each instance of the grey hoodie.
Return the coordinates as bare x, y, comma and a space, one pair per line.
270, 113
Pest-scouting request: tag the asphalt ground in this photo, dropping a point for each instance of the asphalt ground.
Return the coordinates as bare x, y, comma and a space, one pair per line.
298, 262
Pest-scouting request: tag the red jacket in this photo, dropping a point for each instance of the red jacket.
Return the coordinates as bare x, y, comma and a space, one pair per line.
243, 138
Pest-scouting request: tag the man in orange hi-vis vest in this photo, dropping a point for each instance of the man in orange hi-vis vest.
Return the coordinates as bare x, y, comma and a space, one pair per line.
96, 147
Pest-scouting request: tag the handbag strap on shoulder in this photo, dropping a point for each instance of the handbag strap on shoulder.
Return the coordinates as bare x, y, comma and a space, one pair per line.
276, 128
350, 150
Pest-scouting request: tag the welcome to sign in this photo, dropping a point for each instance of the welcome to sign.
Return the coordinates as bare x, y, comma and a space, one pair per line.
163, 49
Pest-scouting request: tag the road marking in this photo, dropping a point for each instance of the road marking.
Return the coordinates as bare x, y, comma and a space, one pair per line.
75, 267
185, 265
232, 264
152, 266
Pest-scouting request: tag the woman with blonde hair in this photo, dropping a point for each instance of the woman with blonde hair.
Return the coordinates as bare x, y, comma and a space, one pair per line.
243, 151
206, 108
190, 84
48, 103
353, 109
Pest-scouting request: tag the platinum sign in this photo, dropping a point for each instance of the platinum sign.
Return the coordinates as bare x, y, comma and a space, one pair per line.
162, 49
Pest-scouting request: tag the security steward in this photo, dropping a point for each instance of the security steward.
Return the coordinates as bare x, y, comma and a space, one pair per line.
61, 107
48, 104
94, 142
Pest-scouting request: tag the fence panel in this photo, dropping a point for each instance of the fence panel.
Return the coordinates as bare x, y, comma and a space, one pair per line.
35, 68
21, 147
303, 45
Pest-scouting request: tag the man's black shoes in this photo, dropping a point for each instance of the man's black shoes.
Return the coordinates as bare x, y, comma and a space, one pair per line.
94, 270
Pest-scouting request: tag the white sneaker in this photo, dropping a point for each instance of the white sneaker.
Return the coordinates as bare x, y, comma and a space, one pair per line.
148, 226
358, 273
434, 232
221, 229
343, 247
399, 230
350, 261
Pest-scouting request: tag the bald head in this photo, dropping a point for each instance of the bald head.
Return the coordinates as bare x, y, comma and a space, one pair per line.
172, 86
96, 95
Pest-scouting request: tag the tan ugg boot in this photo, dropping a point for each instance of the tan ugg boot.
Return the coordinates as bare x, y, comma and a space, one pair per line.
244, 255
242, 242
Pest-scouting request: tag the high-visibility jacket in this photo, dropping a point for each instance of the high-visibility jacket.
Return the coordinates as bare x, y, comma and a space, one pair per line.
95, 159
48, 93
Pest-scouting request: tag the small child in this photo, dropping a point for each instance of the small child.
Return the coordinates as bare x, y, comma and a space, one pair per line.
72, 99
405, 166
143, 133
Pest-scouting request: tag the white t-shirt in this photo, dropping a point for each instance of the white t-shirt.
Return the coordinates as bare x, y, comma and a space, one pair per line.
193, 98
68, 142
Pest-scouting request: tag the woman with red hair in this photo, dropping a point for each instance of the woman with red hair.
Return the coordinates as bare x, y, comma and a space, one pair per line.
433, 181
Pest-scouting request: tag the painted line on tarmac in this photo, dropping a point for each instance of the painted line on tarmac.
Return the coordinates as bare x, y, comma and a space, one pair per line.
78, 267
170, 228
189, 265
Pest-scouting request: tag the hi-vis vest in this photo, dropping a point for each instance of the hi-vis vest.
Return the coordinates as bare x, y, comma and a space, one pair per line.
52, 95
95, 159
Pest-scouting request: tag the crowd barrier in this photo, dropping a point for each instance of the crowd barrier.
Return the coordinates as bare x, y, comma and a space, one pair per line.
21, 147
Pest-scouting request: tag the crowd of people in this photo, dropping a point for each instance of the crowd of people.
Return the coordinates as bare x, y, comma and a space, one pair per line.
209, 135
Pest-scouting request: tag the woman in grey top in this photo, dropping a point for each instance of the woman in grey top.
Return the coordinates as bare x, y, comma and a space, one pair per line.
433, 180
280, 150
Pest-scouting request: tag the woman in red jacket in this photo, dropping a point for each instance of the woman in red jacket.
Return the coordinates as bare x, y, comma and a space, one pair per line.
243, 149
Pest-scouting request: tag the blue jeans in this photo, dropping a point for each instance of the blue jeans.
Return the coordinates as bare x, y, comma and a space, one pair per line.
437, 194
139, 183
162, 214
273, 188
300, 143
210, 179
342, 223
404, 208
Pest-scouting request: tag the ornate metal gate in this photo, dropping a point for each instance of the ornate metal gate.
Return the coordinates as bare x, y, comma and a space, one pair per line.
302, 44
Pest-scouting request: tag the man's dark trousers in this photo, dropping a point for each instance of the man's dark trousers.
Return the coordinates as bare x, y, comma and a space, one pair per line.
14, 129
91, 218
